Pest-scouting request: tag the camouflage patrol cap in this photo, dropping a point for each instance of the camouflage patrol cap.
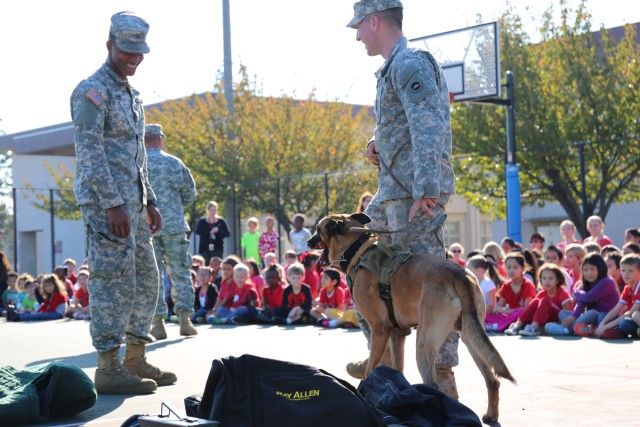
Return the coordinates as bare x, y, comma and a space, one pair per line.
153, 129
366, 7
129, 32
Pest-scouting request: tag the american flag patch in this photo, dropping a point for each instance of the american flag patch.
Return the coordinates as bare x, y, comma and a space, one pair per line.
94, 97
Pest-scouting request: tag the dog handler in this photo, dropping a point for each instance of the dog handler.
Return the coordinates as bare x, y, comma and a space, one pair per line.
412, 145
119, 211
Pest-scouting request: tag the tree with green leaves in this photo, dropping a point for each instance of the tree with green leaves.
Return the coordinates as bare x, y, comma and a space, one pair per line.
257, 158
576, 94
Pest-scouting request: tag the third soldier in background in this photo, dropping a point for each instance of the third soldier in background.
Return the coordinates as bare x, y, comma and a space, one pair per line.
175, 190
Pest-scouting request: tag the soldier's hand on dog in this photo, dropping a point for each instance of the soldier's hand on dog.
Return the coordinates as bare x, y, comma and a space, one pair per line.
154, 219
425, 204
372, 153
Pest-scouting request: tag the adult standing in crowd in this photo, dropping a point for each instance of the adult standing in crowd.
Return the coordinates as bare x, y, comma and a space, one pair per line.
175, 189
119, 210
412, 144
212, 230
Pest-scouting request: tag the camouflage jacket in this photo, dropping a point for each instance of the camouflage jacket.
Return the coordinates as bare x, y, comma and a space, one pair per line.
108, 122
174, 187
413, 126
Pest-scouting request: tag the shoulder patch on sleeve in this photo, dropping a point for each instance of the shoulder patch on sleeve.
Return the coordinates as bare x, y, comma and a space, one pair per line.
94, 97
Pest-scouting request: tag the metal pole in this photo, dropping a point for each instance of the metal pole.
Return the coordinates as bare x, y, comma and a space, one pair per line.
514, 222
234, 220
15, 230
326, 194
228, 70
53, 231
583, 181
511, 126
278, 216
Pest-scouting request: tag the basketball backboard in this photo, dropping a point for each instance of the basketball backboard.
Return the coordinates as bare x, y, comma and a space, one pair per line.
470, 60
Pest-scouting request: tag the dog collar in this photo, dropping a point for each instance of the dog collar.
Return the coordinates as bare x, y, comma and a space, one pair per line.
347, 254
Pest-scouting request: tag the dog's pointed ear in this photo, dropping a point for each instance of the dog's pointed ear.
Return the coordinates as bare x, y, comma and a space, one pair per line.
361, 217
334, 226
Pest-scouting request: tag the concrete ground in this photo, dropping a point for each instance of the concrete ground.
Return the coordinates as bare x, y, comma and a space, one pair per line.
561, 381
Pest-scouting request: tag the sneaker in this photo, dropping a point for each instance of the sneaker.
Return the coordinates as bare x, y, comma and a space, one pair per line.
174, 319
349, 325
512, 330
324, 323
555, 329
612, 334
12, 314
201, 320
529, 331
214, 320
584, 330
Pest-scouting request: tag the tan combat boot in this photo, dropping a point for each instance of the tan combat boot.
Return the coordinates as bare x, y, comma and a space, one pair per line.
358, 369
112, 378
447, 382
186, 327
136, 362
157, 328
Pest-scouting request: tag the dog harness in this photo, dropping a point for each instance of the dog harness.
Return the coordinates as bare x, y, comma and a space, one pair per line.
383, 261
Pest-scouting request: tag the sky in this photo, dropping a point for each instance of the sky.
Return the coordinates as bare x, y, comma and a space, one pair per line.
293, 47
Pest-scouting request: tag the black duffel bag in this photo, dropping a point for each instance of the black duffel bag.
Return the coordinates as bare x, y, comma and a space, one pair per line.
251, 391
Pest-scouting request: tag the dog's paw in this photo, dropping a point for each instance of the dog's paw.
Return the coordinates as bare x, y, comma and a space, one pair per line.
489, 419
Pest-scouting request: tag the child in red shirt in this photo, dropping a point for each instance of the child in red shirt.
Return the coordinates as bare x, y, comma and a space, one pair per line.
332, 299
296, 298
546, 305
242, 297
623, 320
271, 295
515, 294
79, 305
53, 307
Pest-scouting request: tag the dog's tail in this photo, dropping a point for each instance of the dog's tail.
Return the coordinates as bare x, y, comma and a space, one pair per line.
474, 336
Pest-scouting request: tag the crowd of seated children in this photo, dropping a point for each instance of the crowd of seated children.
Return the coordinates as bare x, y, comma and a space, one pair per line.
237, 300
53, 307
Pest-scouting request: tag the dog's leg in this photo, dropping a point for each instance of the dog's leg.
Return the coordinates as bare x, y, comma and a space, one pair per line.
427, 346
398, 337
379, 341
493, 387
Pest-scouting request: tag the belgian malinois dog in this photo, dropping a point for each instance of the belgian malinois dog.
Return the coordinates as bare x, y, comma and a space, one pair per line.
429, 293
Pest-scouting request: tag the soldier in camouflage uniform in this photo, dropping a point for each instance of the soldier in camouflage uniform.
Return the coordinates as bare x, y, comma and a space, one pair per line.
412, 144
119, 211
175, 189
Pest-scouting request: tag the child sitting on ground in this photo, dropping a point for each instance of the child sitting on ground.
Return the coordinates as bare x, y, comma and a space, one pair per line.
79, 304
573, 256
332, 301
226, 285
296, 298
30, 301
53, 307
12, 296
480, 266
206, 295
242, 298
515, 294
595, 295
546, 305
271, 295
613, 268
623, 320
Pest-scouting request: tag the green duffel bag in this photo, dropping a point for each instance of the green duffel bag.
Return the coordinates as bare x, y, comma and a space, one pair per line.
41, 392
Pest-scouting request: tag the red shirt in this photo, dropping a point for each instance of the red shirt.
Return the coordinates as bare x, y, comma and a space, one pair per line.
630, 296
273, 297
516, 300
82, 296
268, 242
563, 245
602, 240
302, 299
50, 304
348, 298
462, 262
243, 296
561, 297
334, 300
312, 279
226, 290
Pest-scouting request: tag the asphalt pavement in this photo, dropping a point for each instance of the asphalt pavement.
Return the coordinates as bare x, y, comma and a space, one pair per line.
562, 381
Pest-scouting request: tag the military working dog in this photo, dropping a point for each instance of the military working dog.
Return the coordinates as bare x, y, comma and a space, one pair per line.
429, 293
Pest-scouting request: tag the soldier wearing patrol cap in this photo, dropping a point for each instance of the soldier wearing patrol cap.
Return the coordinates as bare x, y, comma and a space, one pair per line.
176, 190
119, 211
412, 145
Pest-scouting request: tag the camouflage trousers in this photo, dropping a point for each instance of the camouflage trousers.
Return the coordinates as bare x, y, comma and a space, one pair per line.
174, 259
124, 279
425, 235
